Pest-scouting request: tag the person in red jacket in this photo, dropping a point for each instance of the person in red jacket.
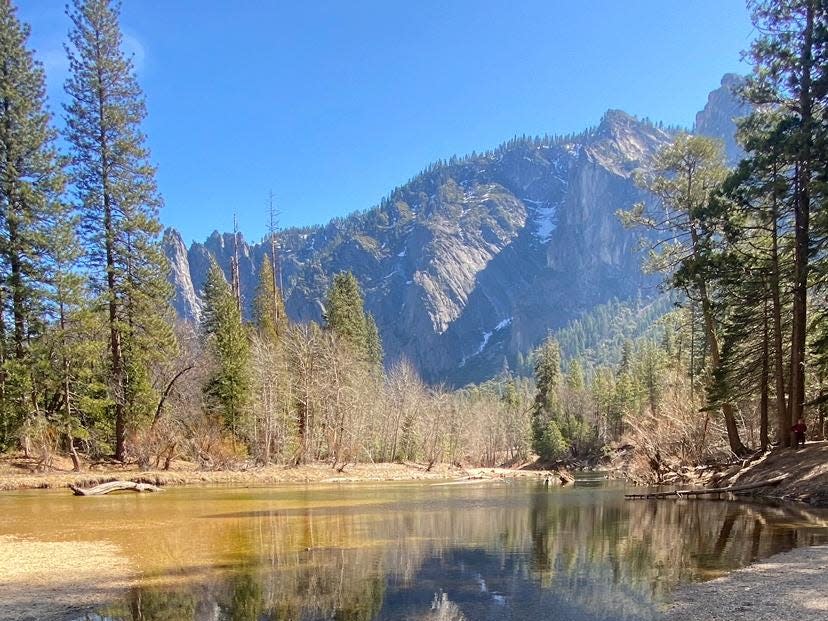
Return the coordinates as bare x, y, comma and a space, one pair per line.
799, 433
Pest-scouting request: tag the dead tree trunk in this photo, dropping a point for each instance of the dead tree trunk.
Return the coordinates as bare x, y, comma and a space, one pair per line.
113, 486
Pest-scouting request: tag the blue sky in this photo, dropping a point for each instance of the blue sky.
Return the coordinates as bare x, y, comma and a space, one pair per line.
332, 104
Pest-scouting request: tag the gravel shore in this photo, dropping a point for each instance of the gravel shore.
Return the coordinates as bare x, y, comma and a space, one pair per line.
789, 586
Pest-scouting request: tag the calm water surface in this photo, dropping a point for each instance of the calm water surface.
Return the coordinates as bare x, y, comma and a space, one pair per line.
506, 551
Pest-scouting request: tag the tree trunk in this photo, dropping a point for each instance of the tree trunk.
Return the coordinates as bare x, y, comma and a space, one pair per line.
5, 425
159, 410
302, 416
709, 321
18, 312
712, 490
67, 390
73, 453
782, 426
116, 355
115, 351
170, 456
113, 486
763, 406
735, 442
801, 222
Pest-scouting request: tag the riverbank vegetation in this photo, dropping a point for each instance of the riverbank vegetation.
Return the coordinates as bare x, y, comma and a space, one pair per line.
746, 248
94, 364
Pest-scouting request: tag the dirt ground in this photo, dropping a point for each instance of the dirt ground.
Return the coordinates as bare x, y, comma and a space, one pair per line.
807, 470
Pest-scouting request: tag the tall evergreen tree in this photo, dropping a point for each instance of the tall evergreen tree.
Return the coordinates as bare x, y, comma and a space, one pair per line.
790, 58
345, 315
74, 396
31, 184
228, 388
682, 180
344, 310
753, 270
547, 374
119, 202
547, 439
373, 342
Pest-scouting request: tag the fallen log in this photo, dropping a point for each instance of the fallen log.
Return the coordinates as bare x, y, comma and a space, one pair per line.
113, 486
559, 477
470, 480
715, 490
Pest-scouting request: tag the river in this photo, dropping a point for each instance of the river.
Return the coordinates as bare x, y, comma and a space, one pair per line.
406, 551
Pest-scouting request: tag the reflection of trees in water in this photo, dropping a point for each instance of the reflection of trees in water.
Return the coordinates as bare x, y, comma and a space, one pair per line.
528, 551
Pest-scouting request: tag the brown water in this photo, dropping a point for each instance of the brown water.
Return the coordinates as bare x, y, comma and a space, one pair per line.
515, 551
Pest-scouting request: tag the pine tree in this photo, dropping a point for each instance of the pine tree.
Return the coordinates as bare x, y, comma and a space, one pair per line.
31, 184
228, 388
345, 315
547, 373
344, 312
626, 357
373, 343
119, 202
649, 373
604, 395
575, 377
74, 395
790, 58
752, 267
547, 403
682, 179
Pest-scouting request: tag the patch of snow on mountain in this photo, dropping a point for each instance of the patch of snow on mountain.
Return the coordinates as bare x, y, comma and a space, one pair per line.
486, 337
506, 322
483, 343
545, 217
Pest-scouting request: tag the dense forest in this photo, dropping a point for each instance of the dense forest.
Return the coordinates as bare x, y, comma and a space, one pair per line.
93, 363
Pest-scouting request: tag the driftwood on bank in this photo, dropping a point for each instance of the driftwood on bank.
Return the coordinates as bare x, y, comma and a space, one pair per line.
720, 490
113, 486
565, 477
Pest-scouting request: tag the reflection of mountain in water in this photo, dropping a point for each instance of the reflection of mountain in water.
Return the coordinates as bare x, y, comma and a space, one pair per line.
491, 552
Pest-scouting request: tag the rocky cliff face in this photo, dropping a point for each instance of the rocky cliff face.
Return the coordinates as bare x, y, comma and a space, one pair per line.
186, 301
716, 119
475, 259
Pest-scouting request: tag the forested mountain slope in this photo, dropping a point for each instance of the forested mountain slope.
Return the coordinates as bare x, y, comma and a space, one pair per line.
474, 260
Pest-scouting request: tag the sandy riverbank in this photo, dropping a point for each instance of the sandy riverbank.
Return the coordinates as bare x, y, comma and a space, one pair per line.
18, 474
35, 586
792, 586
